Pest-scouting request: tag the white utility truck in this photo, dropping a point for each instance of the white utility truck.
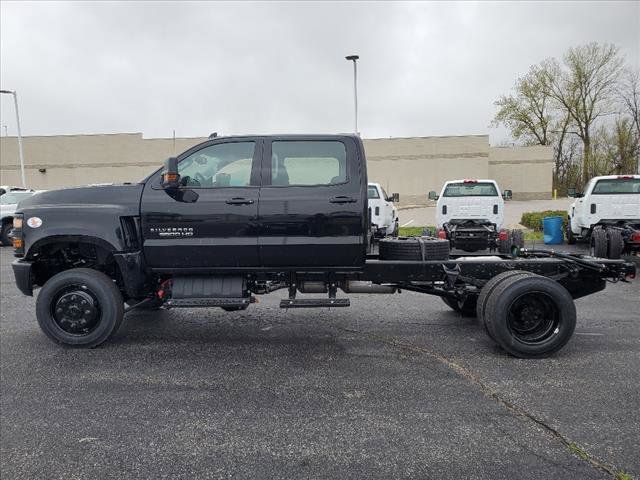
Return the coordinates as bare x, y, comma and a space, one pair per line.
470, 214
383, 212
607, 214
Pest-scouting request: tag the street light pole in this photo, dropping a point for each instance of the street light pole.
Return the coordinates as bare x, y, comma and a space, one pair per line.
354, 59
20, 152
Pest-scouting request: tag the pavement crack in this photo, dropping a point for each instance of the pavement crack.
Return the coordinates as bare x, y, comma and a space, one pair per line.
489, 392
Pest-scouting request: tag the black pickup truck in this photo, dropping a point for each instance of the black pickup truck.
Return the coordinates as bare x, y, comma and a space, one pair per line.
236, 217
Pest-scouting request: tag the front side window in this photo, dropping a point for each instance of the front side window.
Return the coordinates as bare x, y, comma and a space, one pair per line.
613, 186
220, 165
470, 189
308, 163
372, 192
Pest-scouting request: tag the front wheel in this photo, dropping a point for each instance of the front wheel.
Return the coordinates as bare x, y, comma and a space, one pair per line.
80, 308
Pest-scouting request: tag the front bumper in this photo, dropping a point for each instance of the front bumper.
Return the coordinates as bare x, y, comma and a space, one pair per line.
24, 279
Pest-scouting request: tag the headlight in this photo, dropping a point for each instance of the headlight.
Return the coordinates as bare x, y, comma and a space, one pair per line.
17, 221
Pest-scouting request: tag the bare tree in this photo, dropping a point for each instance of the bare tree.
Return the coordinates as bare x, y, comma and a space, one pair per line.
630, 96
586, 89
527, 112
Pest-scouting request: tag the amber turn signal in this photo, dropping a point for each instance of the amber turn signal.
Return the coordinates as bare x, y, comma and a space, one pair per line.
18, 243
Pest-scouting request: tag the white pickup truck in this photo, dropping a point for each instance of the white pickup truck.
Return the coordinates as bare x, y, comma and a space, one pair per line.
607, 214
383, 213
470, 214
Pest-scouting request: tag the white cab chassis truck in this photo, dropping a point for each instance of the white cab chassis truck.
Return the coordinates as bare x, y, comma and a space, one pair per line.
607, 214
470, 214
382, 211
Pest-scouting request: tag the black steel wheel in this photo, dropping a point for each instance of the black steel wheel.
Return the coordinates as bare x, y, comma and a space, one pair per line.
599, 247
489, 287
530, 316
466, 307
615, 243
79, 307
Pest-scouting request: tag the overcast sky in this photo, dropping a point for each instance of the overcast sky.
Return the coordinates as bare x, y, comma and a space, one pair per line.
425, 68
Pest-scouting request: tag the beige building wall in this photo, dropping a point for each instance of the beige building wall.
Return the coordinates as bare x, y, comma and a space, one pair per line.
410, 166
527, 171
70, 160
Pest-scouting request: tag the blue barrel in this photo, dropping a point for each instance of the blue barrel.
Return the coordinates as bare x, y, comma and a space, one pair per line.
552, 228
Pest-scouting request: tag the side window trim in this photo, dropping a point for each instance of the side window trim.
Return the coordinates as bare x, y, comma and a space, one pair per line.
268, 155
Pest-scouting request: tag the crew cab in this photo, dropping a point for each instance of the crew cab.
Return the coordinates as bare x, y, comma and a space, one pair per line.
470, 214
384, 217
607, 214
237, 217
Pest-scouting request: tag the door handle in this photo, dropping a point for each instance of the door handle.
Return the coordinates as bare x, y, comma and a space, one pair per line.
342, 199
239, 201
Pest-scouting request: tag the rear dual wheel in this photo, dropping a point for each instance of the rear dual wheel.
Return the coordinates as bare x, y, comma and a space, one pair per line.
528, 315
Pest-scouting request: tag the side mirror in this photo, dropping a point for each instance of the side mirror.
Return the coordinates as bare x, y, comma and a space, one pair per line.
432, 195
571, 192
507, 194
395, 198
170, 175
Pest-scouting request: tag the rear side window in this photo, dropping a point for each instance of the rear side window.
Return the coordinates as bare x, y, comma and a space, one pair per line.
470, 189
308, 163
372, 192
613, 186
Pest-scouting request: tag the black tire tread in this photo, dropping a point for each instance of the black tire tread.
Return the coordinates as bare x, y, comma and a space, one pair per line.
410, 248
599, 243
481, 305
615, 243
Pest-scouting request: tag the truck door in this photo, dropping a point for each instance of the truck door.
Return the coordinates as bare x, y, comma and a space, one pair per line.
313, 202
211, 219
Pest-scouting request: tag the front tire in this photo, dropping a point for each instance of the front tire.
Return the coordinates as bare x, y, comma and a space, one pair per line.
80, 308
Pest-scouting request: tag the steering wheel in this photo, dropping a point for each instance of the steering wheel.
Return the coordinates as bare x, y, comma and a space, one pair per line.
199, 179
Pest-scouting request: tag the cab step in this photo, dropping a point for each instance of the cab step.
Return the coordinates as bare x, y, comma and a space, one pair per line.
314, 302
207, 302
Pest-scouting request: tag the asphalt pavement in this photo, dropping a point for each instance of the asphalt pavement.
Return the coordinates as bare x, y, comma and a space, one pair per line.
392, 387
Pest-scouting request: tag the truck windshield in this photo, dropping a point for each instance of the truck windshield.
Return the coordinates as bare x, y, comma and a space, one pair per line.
477, 189
372, 192
614, 186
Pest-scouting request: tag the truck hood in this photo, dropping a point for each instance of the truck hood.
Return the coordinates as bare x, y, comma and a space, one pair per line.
119, 196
